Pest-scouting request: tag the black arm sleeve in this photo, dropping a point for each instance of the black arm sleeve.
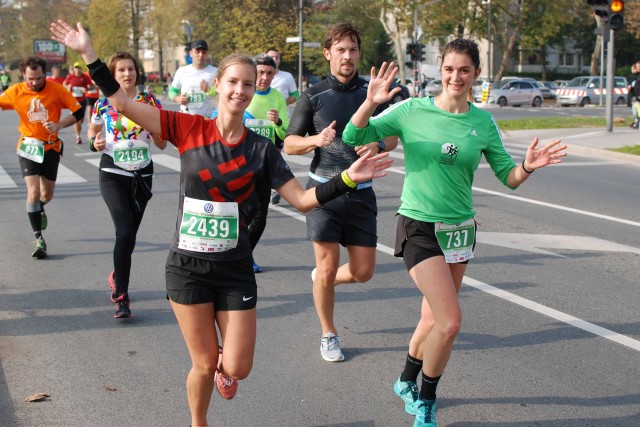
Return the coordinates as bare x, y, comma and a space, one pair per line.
78, 114
104, 79
301, 121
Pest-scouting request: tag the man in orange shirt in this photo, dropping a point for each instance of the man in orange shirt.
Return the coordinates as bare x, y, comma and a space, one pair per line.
39, 104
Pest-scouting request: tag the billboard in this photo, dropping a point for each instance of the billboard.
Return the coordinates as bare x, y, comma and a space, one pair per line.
49, 50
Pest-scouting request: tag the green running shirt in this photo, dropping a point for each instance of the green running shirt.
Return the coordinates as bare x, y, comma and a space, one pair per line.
442, 150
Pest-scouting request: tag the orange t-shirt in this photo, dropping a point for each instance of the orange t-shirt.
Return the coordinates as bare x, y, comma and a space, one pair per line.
37, 108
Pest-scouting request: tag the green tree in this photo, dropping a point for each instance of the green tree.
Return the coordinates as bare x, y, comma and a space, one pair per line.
109, 32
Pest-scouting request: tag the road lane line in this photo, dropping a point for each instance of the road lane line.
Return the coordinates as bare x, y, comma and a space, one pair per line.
5, 179
67, 176
508, 296
554, 314
562, 208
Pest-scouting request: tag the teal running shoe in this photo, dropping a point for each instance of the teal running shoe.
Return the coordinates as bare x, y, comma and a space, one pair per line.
408, 392
425, 414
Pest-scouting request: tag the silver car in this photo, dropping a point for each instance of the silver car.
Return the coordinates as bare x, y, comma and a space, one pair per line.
514, 92
585, 90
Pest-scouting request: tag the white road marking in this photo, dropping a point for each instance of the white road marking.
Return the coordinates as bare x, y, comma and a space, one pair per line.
555, 314
5, 179
508, 296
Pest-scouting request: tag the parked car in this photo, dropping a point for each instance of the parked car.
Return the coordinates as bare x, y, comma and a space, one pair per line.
561, 83
154, 77
432, 88
585, 90
548, 89
513, 92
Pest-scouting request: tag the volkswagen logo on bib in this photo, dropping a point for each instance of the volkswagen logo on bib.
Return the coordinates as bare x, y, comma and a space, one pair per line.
208, 207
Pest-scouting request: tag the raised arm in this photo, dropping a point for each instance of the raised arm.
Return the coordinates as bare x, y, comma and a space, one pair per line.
536, 158
77, 39
367, 167
377, 93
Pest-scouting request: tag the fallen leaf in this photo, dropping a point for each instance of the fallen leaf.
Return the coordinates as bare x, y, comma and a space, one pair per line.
36, 397
111, 388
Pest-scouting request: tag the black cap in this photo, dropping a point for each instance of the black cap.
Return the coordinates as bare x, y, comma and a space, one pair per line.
199, 44
265, 60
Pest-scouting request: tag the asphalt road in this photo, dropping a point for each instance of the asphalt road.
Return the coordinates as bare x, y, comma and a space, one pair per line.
551, 109
550, 335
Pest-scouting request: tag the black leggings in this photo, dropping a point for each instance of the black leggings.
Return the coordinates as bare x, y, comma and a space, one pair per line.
117, 194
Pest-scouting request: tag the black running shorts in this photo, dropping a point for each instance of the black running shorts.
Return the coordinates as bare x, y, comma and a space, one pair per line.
48, 168
229, 285
416, 241
349, 219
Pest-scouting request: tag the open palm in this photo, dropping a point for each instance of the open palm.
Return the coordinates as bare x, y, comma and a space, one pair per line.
76, 39
379, 83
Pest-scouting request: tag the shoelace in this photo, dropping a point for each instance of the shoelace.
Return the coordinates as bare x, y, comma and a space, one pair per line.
333, 343
429, 415
226, 381
411, 389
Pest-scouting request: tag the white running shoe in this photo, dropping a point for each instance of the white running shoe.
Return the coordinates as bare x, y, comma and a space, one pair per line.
330, 348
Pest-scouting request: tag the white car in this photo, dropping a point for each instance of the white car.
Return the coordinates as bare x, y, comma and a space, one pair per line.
514, 92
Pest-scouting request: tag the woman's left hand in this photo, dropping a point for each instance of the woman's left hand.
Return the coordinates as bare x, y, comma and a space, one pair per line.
551, 153
369, 166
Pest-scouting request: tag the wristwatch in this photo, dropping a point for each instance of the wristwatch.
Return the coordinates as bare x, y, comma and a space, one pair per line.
382, 147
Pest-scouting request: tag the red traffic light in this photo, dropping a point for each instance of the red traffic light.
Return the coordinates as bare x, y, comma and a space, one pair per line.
616, 6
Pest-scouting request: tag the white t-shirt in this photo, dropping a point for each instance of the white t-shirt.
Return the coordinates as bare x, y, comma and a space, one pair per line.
187, 79
284, 83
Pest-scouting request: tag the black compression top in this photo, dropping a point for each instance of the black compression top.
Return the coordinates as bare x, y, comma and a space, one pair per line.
320, 105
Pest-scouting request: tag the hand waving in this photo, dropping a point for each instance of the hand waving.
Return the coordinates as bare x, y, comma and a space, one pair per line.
74, 39
369, 166
378, 91
551, 153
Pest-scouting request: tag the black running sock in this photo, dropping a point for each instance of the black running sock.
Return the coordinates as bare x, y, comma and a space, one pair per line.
429, 385
412, 367
38, 234
35, 219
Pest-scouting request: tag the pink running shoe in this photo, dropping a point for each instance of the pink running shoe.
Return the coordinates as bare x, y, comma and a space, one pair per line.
112, 284
227, 386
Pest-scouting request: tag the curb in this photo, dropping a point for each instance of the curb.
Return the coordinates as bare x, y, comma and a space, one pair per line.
598, 152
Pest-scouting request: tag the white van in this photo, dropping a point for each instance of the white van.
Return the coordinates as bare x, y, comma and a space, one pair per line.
586, 90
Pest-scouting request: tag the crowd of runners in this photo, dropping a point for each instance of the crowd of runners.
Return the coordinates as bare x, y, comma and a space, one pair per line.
231, 162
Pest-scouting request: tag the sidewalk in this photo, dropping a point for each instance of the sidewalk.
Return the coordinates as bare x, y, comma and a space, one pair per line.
584, 141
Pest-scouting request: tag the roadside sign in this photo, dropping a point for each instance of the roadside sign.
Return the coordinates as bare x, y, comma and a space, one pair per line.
293, 39
311, 44
49, 50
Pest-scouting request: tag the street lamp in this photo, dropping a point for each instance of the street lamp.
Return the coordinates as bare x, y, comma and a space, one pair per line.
488, 3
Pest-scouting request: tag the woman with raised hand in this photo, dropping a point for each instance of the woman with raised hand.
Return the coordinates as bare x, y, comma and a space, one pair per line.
126, 170
209, 276
444, 138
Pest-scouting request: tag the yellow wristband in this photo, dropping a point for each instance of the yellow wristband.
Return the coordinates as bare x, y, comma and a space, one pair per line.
345, 178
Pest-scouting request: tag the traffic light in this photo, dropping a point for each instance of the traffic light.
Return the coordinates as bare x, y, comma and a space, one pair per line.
411, 51
616, 14
420, 52
610, 11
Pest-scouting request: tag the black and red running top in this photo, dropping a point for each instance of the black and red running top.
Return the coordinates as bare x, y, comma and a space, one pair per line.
212, 169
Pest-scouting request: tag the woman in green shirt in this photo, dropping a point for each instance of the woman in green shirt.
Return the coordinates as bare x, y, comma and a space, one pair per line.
444, 138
